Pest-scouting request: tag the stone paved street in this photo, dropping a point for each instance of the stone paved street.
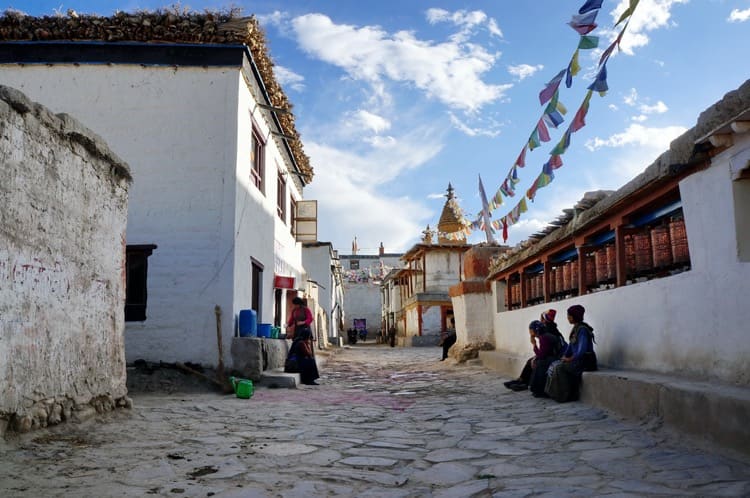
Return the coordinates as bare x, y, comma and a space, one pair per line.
383, 423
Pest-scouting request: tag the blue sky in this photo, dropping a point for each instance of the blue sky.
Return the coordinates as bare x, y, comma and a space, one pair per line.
396, 99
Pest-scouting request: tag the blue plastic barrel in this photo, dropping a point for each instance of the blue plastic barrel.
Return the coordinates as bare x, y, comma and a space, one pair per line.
264, 330
248, 323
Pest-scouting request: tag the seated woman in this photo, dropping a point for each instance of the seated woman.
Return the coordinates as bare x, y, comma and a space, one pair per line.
546, 349
302, 348
448, 338
579, 356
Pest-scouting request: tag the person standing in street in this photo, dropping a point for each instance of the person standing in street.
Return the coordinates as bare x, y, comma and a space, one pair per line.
300, 320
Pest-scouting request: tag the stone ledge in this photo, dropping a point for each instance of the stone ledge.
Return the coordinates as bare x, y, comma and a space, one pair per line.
507, 364
278, 379
717, 413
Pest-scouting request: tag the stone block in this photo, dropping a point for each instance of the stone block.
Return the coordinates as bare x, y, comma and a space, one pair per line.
712, 412
506, 364
247, 357
278, 379
620, 392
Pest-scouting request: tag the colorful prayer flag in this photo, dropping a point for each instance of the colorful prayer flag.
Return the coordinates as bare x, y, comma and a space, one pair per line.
579, 121
521, 160
555, 162
551, 87
534, 141
573, 68
628, 12
590, 5
485, 212
543, 132
588, 42
600, 83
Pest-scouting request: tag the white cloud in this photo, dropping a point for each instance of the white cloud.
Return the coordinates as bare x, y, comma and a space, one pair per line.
371, 121
649, 15
631, 98
277, 19
450, 71
465, 20
288, 78
351, 200
636, 134
470, 131
658, 108
523, 71
440, 195
613, 107
738, 15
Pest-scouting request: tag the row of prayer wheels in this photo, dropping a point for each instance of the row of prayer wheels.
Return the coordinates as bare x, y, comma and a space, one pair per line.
651, 249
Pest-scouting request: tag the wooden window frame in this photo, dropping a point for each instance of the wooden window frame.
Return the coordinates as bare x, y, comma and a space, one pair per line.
281, 196
257, 159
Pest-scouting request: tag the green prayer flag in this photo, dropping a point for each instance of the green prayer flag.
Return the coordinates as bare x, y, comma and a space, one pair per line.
588, 42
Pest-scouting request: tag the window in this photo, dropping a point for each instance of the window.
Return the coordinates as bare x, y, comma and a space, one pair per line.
256, 298
257, 158
293, 216
281, 197
354, 264
136, 276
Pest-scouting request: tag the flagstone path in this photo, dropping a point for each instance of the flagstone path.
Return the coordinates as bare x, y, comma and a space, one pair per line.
385, 422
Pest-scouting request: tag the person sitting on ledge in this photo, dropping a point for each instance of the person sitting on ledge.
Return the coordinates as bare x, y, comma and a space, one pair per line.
448, 338
547, 348
579, 356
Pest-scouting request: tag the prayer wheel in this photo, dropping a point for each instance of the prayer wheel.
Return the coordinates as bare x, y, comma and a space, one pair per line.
643, 256
559, 279
629, 254
661, 246
600, 262
678, 237
590, 270
574, 274
612, 261
567, 283
552, 288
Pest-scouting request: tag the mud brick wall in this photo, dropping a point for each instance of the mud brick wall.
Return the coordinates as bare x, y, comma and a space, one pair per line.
63, 213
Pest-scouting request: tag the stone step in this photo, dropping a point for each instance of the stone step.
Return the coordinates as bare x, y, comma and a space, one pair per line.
716, 413
277, 378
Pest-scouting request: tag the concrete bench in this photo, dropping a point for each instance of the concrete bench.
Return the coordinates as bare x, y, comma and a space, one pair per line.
506, 364
714, 412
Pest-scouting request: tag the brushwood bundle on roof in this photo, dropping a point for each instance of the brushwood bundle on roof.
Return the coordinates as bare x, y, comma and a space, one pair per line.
165, 27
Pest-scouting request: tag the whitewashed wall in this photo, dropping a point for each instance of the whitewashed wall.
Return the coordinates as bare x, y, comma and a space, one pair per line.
693, 323
263, 236
473, 313
185, 133
431, 317
443, 269
363, 299
62, 292
317, 262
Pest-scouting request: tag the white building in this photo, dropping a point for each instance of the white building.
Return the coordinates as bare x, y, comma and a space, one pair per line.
210, 219
362, 275
323, 268
654, 308
422, 310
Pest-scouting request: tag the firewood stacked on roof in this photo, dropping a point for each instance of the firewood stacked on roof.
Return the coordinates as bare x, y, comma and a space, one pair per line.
165, 27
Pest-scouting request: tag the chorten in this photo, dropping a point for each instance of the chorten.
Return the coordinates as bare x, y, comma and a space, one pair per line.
451, 226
